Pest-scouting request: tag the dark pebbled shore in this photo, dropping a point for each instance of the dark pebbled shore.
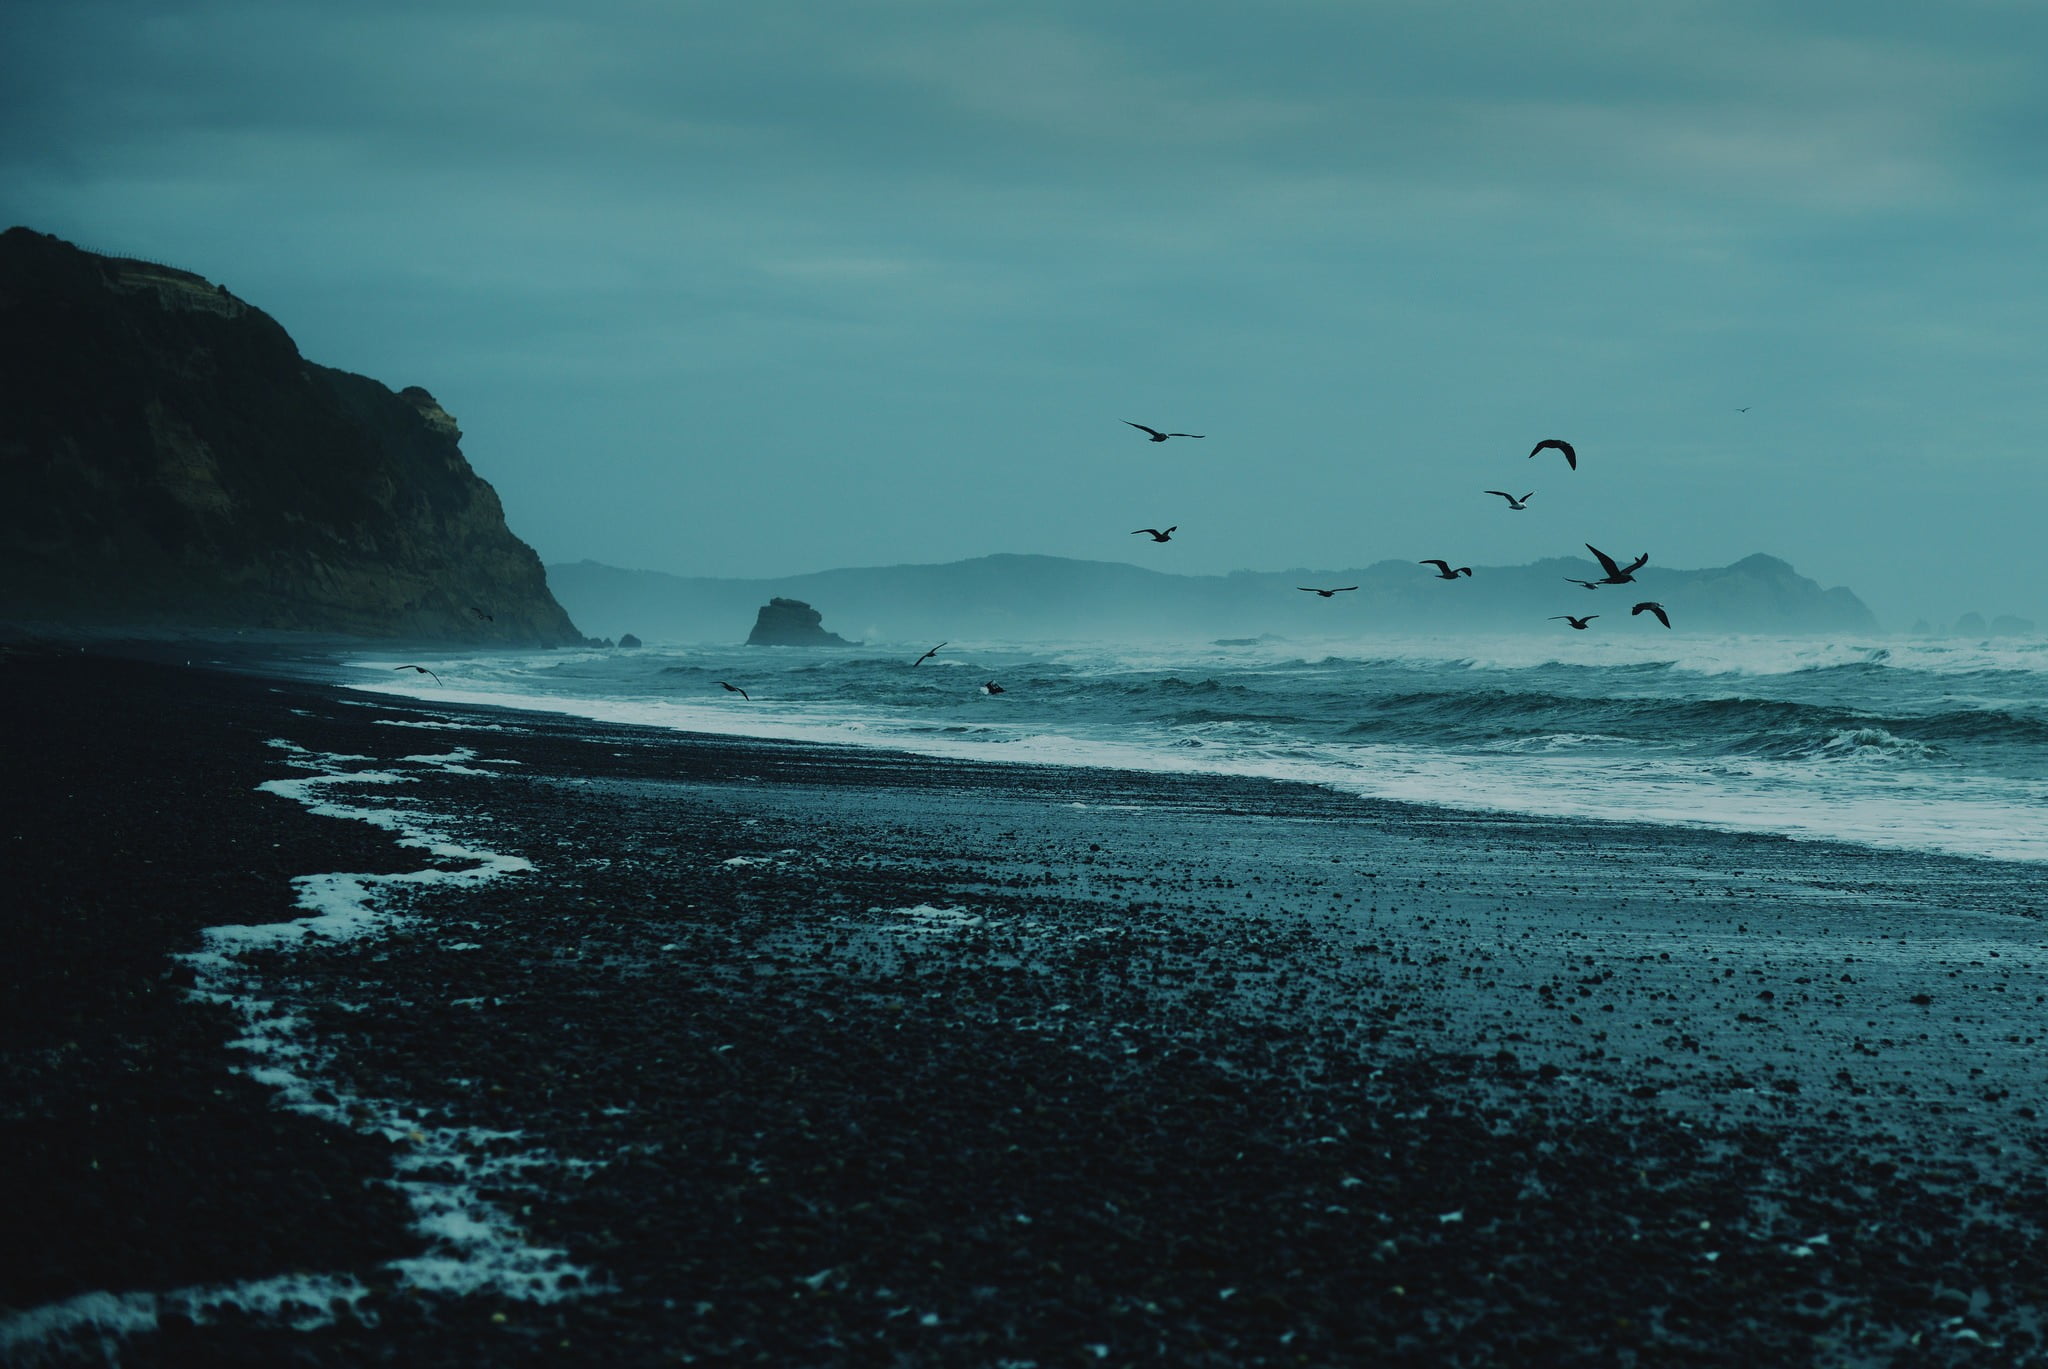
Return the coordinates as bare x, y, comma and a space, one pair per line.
1200, 1070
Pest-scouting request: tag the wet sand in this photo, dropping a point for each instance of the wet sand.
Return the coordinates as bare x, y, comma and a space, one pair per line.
821, 1056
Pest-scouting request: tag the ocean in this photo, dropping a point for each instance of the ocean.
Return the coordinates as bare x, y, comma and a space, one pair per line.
1924, 745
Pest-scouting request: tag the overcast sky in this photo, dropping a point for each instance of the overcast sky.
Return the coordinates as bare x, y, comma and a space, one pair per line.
755, 288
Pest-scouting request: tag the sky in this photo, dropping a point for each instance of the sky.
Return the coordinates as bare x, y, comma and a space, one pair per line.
765, 288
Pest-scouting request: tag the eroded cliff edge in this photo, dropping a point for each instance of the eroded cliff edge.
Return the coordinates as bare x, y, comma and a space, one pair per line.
171, 461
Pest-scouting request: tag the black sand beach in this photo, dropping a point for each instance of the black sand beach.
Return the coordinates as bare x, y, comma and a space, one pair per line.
850, 1057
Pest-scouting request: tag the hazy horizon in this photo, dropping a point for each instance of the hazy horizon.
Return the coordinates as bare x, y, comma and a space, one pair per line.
1936, 626
749, 292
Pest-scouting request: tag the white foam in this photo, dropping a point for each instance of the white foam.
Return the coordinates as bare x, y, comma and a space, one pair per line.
100, 1321
443, 726
926, 918
1937, 812
474, 1246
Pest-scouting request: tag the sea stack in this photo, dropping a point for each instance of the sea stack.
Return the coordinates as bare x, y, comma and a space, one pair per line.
792, 622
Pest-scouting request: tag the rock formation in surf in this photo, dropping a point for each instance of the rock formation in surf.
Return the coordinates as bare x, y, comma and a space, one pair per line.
173, 463
792, 622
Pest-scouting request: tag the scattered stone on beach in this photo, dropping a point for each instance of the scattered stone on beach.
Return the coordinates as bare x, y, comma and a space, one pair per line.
1207, 1072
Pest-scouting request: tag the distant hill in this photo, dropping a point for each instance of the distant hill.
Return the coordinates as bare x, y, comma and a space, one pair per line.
170, 461
1029, 598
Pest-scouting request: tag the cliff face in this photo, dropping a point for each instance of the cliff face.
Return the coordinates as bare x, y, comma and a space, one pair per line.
170, 460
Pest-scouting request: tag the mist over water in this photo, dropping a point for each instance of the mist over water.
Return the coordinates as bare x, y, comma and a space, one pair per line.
1923, 746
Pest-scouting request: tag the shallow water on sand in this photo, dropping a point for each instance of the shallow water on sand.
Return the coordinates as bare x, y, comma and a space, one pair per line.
1928, 745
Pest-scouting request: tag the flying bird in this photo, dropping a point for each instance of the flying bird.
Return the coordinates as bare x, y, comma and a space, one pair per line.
1579, 623
1158, 436
1589, 584
1514, 503
1743, 410
991, 688
481, 614
1326, 593
1571, 458
420, 668
1617, 575
1657, 609
1155, 534
927, 656
1444, 571
735, 689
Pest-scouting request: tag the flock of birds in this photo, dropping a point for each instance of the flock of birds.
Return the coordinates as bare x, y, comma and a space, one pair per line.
1615, 572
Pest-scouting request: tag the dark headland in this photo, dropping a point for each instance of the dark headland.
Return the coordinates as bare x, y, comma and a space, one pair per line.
171, 463
845, 1057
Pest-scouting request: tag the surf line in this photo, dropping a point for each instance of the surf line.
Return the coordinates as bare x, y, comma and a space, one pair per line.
473, 1246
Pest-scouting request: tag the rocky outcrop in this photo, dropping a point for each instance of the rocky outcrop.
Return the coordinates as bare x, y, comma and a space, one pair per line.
169, 460
629, 641
792, 622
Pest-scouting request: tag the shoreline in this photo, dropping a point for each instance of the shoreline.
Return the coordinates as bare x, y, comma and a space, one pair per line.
1822, 778
1202, 1034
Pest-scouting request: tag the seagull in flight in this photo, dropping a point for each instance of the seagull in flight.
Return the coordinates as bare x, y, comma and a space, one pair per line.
481, 614
1616, 574
1571, 458
1579, 623
1657, 609
991, 688
1589, 584
927, 656
1158, 436
735, 689
420, 668
1744, 409
1326, 593
1444, 571
1155, 534
1514, 503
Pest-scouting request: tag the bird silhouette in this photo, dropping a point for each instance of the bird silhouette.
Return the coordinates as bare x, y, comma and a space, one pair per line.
1743, 410
927, 656
481, 614
1579, 623
1158, 436
1514, 503
1155, 534
735, 689
1326, 593
1617, 575
420, 668
991, 688
1571, 458
1589, 584
1657, 609
1444, 571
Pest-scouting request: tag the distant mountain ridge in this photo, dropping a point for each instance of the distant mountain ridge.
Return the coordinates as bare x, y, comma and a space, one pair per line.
1026, 597
170, 461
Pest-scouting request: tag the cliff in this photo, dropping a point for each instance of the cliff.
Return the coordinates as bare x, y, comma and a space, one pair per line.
1049, 598
171, 461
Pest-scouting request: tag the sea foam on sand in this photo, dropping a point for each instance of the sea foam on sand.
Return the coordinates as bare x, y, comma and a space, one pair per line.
472, 1245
